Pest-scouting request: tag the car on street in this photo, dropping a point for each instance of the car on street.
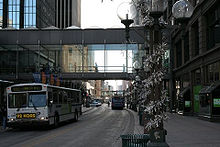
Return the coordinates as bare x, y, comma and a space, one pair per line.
95, 103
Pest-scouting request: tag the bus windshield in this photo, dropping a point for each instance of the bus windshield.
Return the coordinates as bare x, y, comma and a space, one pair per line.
37, 99
17, 100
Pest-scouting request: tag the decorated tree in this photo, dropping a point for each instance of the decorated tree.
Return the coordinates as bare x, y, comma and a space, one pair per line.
152, 95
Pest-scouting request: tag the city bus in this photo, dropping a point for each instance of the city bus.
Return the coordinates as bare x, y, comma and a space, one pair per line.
118, 102
41, 104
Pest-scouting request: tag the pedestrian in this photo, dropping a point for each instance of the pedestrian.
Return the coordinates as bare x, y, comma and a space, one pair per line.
108, 103
4, 115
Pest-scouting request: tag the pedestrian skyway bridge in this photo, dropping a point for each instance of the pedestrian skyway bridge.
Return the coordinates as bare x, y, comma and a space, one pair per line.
75, 54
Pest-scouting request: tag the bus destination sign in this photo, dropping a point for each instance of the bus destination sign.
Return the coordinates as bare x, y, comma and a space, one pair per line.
26, 88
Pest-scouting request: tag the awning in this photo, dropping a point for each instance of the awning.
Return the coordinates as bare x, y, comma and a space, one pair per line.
184, 91
209, 89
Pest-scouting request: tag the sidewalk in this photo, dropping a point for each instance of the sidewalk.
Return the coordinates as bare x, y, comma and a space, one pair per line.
187, 131
138, 129
85, 109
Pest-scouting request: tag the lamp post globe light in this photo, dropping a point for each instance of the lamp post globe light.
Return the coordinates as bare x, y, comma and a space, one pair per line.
137, 66
126, 12
182, 10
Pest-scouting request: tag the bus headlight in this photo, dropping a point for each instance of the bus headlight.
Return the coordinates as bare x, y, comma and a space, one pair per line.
42, 118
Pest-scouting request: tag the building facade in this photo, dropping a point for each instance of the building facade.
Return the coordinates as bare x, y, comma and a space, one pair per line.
39, 13
196, 54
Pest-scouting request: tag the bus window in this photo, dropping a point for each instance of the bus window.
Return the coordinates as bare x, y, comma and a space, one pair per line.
60, 97
37, 99
50, 98
55, 96
65, 97
69, 97
17, 100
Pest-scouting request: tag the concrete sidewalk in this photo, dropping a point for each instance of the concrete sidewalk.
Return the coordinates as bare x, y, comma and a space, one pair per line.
189, 131
138, 129
186, 131
85, 109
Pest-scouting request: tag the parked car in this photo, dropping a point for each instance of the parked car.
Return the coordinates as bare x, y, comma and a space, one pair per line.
95, 103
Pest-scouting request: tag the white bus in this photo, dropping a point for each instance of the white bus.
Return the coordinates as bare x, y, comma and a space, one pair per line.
41, 104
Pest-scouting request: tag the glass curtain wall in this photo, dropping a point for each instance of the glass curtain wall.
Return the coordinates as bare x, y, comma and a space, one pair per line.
69, 58
29, 13
99, 57
1, 13
14, 13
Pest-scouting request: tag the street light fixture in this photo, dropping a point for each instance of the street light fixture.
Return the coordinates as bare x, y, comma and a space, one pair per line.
182, 10
153, 82
137, 66
126, 13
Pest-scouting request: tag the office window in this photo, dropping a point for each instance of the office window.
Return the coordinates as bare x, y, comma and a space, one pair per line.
29, 13
213, 27
186, 47
195, 28
1, 13
14, 13
213, 72
197, 77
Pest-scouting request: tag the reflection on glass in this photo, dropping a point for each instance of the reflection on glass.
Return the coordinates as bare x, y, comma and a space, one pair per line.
14, 13
204, 104
37, 99
18, 100
1, 13
29, 13
71, 58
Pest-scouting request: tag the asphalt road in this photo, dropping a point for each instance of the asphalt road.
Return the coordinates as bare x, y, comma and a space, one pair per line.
99, 127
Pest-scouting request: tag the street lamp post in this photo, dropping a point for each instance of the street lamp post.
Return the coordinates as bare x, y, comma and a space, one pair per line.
182, 10
153, 91
156, 131
137, 68
126, 13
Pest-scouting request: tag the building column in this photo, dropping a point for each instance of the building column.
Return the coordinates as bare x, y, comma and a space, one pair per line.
202, 34
5, 14
183, 46
190, 43
21, 23
202, 45
57, 13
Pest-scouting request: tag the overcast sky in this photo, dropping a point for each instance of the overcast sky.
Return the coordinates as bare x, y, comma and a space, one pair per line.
95, 13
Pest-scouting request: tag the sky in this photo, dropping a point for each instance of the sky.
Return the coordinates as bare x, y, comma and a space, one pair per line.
98, 14
95, 13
